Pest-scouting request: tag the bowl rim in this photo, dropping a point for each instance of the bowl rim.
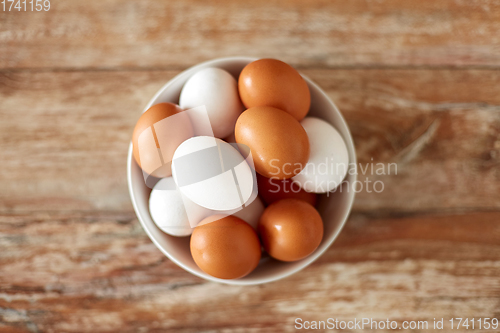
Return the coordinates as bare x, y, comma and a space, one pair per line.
310, 259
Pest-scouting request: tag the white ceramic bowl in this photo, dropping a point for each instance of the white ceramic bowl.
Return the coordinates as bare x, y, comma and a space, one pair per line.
334, 208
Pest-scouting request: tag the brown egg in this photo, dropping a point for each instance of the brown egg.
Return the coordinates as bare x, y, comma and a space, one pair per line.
272, 189
156, 137
279, 144
270, 82
290, 229
225, 247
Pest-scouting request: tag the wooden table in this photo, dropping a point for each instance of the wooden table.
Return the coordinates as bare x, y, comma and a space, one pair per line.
417, 81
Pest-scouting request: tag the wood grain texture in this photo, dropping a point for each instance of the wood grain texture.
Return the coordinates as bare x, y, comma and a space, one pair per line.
417, 82
324, 33
102, 274
440, 127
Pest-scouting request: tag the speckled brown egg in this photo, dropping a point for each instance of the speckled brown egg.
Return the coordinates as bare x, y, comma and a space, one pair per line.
271, 190
279, 144
225, 247
156, 136
271, 82
290, 229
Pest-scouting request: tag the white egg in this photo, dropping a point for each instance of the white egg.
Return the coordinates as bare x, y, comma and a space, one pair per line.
251, 214
217, 90
213, 174
328, 159
172, 213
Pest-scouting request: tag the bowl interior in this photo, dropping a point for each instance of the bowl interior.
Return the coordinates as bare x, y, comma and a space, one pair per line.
334, 207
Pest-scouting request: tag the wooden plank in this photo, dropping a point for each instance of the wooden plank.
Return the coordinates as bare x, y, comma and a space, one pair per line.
64, 136
439, 127
98, 272
178, 34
